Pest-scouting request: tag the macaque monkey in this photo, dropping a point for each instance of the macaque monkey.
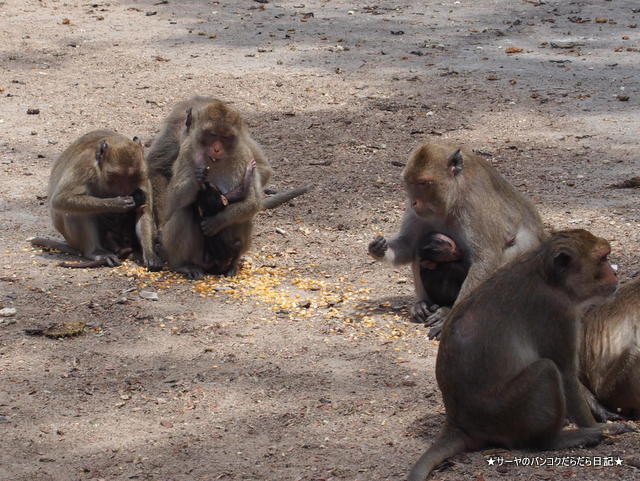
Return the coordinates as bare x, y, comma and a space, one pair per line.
454, 192
99, 196
508, 356
443, 268
610, 352
218, 254
206, 141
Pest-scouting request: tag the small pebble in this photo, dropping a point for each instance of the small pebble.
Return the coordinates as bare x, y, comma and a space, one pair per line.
149, 295
8, 312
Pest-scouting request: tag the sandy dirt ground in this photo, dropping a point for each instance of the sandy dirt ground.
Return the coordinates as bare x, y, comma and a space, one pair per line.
305, 367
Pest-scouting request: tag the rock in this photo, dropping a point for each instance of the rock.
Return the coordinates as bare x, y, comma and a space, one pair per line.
8, 312
149, 295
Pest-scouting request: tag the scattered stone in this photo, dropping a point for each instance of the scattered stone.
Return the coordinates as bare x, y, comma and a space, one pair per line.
566, 44
8, 312
149, 295
622, 97
33, 111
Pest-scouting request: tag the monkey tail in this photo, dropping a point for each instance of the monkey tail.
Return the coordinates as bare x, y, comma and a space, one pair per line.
46, 243
282, 197
451, 441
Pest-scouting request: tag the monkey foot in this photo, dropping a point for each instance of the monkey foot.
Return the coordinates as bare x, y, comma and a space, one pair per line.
153, 263
435, 331
422, 311
191, 272
109, 258
618, 428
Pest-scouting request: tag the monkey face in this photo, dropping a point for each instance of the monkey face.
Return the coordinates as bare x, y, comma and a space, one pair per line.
425, 198
431, 178
217, 145
122, 167
584, 268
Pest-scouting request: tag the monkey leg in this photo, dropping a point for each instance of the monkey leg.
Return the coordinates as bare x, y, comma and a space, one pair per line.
625, 394
183, 244
81, 232
145, 233
527, 411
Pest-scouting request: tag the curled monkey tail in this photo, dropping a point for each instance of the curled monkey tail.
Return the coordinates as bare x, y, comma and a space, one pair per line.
282, 197
451, 441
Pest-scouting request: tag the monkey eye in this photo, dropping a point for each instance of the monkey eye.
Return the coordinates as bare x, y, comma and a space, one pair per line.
604, 258
424, 182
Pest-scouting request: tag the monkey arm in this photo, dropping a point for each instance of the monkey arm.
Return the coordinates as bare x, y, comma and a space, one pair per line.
401, 250
79, 201
237, 213
182, 192
479, 271
146, 229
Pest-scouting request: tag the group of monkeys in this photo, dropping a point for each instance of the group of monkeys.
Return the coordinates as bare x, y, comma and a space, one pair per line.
190, 202
532, 335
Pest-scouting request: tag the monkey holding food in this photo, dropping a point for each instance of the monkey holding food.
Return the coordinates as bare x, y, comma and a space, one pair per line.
454, 192
100, 201
206, 140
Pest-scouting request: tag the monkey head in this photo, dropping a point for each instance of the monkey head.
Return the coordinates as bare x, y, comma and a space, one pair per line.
577, 261
432, 178
214, 129
121, 164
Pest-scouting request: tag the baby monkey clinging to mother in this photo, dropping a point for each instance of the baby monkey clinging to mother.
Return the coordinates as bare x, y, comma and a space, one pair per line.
205, 144
454, 192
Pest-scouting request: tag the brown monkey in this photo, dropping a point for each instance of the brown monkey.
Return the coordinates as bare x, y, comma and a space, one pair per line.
610, 352
99, 195
453, 191
216, 147
507, 361
205, 140
164, 150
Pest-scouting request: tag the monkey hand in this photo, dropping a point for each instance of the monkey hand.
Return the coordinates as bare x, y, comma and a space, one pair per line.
378, 247
421, 311
122, 203
211, 226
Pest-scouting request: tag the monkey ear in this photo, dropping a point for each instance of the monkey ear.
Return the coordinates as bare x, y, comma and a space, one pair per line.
101, 152
455, 163
137, 140
561, 262
187, 122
